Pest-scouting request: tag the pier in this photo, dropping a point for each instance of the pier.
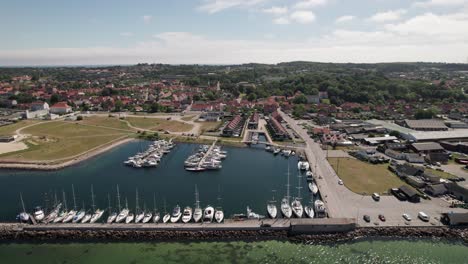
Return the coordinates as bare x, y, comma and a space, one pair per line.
207, 153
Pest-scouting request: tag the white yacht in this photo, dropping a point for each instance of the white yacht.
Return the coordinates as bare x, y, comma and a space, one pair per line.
309, 211
297, 208
130, 217
87, 218
176, 214
97, 213
39, 214
197, 212
313, 187
166, 218
23, 216
271, 208
208, 214
53, 214
139, 215
286, 210
64, 212
71, 214
253, 215
187, 215
148, 216
79, 216
156, 215
123, 213
219, 215
112, 215
319, 207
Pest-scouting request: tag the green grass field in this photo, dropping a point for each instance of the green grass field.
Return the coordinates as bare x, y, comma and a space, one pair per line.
159, 124
364, 178
10, 129
208, 126
111, 122
63, 140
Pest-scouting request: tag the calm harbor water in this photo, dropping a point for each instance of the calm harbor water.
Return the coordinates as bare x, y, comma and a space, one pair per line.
392, 251
246, 179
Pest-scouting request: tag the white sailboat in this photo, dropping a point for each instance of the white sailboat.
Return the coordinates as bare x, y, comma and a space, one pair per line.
319, 207
39, 214
252, 215
139, 215
197, 212
313, 187
54, 213
64, 212
296, 205
79, 216
208, 214
285, 206
219, 214
176, 214
166, 216
271, 207
130, 217
187, 215
87, 218
23, 216
71, 213
112, 215
148, 215
156, 214
123, 213
97, 212
309, 211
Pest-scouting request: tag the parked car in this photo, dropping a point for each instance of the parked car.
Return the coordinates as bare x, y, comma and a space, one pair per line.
376, 197
407, 217
423, 216
340, 182
382, 217
366, 218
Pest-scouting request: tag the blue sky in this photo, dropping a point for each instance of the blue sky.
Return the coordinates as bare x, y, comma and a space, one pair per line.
52, 32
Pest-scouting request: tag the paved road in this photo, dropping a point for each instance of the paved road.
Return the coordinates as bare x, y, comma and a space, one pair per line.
341, 202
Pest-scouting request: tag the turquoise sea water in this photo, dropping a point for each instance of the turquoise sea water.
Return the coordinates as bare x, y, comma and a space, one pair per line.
380, 251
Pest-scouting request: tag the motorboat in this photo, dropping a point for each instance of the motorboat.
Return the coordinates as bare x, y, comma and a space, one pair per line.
303, 165
176, 214
313, 187
253, 215
276, 151
208, 214
195, 169
39, 214
187, 215
297, 208
309, 211
130, 217
148, 216
219, 215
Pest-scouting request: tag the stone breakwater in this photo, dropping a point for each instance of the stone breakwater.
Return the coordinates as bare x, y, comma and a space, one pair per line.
14, 233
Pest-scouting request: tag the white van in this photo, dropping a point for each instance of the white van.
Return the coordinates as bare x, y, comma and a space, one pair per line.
423, 216
376, 197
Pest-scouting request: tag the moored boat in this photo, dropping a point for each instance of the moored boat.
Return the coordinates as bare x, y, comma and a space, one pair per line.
208, 214
187, 215
176, 214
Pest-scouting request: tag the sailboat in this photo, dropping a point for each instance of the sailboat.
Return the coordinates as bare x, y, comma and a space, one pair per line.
87, 217
139, 215
309, 209
64, 212
219, 214
54, 213
166, 216
39, 213
112, 215
97, 213
23, 216
296, 205
148, 215
123, 213
156, 215
79, 216
130, 216
208, 214
313, 187
271, 207
197, 212
176, 214
285, 207
71, 213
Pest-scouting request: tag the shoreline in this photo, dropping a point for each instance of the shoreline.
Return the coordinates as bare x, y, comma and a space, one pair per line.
13, 233
47, 166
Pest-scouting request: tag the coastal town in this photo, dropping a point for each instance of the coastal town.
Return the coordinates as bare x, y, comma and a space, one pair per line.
404, 162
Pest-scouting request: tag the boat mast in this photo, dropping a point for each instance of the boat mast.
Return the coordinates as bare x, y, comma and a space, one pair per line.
109, 200
92, 198
126, 203
64, 200
299, 187
118, 198
22, 202
219, 196
165, 211
197, 198
273, 198
55, 198
74, 200
288, 197
154, 202
136, 202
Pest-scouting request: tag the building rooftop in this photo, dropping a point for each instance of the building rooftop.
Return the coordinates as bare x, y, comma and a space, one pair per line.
440, 135
425, 124
390, 126
428, 146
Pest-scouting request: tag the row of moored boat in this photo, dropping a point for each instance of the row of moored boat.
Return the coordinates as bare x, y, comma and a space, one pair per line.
152, 156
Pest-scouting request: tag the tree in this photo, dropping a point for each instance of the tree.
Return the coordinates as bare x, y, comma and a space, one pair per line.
425, 113
154, 108
118, 106
54, 99
252, 97
299, 110
300, 99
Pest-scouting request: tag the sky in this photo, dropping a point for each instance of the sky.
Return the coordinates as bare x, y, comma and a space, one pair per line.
98, 32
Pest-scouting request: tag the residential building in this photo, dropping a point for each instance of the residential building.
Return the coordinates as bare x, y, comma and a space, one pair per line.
60, 108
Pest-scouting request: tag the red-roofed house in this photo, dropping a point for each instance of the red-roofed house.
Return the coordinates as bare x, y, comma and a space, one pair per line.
60, 108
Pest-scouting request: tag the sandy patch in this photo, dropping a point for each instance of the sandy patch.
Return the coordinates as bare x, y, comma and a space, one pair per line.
12, 147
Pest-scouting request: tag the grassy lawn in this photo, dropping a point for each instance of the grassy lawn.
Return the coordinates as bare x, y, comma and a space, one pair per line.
159, 124
112, 122
61, 140
209, 126
442, 174
188, 118
10, 129
364, 178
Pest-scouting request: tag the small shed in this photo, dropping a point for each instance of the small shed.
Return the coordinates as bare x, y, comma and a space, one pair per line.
411, 194
436, 190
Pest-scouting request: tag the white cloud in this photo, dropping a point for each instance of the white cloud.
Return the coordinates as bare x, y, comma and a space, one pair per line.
126, 34
281, 21
303, 17
440, 3
215, 6
310, 3
147, 19
344, 19
276, 10
391, 15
